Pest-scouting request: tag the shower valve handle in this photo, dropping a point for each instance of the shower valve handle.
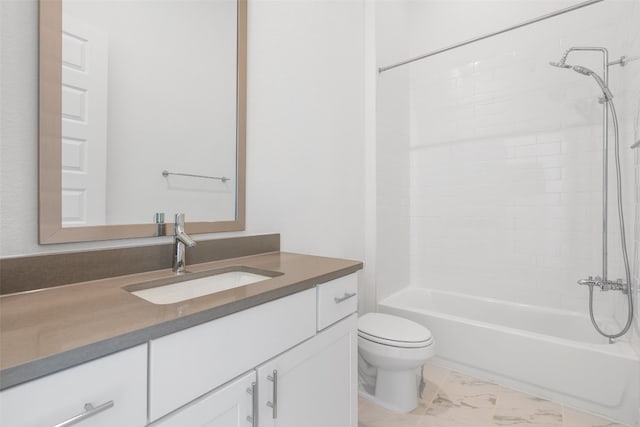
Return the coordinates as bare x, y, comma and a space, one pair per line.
604, 285
591, 281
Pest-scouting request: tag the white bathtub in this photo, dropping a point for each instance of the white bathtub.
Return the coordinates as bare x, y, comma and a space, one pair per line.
550, 353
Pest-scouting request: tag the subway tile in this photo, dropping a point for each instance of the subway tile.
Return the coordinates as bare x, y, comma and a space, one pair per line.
517, 166
553, 137
535, 150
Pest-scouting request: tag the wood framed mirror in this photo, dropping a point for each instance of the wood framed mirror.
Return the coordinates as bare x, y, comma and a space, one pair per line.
174, 144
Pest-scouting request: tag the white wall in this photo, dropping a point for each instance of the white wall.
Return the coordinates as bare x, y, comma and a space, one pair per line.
392, 150
306, 124
505, 154
305, 128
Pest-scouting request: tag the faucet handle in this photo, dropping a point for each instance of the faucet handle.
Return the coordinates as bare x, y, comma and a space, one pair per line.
179, 225
180, 220
180, 234
161, 227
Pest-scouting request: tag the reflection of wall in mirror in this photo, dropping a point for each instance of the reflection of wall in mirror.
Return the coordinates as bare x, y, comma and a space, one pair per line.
172, 98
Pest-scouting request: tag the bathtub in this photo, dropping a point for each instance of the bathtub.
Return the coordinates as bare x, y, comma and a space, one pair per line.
550, 353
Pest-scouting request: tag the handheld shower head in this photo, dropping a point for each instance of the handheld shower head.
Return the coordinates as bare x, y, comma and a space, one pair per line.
582, 70
608, 96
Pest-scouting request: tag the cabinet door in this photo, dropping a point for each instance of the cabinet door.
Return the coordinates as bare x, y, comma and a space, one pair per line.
192, 362
313, 384
114, 386
228, 406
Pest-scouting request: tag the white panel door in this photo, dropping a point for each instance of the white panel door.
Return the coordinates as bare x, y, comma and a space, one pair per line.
84, 123
229, 406
315, 382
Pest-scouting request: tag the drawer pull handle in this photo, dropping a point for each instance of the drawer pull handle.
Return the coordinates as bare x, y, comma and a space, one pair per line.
253, 391
346, 296
89, 411
274, 405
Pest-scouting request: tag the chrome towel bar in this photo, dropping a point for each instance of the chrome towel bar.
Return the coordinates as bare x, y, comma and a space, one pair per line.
166, 173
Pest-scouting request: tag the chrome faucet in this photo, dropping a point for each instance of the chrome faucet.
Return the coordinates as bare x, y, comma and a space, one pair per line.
180, 243
605, 285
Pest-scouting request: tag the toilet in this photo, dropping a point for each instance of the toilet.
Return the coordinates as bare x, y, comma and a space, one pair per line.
391, 352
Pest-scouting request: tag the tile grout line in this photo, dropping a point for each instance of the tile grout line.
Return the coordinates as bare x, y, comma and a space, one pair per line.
492, 421
438, 388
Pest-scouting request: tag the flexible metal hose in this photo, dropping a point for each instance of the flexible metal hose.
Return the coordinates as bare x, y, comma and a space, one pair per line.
623, 240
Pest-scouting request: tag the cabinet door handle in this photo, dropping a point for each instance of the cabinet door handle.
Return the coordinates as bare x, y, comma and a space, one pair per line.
274, 405
253, 391
346, 296
89, 411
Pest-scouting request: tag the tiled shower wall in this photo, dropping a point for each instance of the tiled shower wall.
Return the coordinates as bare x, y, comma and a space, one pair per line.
505, 156
632, 116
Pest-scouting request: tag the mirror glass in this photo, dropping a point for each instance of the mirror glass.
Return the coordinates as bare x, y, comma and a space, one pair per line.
149, 116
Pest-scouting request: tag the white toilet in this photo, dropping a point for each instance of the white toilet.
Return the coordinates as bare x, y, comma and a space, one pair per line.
391, 352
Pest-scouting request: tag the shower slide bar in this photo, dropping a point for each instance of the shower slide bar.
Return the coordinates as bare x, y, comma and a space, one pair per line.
495, 33
166, 173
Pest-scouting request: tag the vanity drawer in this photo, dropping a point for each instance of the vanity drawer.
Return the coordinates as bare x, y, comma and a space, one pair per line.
190, 363
115, 383
337, 299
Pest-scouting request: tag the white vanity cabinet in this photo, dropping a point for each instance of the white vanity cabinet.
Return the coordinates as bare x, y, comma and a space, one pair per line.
313, 384
291, 362
231, 405
305, 378
192, 362
115, 386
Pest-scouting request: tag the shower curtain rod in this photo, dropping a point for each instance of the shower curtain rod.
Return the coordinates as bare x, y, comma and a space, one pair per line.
513, 27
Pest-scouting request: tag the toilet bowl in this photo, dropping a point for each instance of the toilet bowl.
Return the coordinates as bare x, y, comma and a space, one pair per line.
391, 352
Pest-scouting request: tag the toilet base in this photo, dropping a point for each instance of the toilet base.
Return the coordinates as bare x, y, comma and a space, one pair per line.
394, 390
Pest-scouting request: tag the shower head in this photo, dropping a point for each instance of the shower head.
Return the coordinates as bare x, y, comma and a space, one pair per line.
559, 64
608, 96
562, 63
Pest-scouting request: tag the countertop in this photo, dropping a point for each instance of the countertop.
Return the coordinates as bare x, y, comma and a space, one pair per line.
45, 331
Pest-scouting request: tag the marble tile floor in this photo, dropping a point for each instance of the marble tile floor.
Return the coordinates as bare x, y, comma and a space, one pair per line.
452, 399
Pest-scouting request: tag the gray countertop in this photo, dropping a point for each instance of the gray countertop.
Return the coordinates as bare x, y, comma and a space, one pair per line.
45, 331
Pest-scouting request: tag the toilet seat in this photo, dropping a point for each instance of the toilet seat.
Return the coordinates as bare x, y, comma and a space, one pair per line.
393, 331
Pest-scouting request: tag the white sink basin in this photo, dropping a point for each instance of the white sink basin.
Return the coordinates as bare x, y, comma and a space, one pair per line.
168, 291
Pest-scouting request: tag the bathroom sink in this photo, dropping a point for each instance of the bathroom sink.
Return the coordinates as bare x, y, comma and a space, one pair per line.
193, 285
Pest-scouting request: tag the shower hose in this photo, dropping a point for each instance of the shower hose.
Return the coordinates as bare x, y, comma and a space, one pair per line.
625, 255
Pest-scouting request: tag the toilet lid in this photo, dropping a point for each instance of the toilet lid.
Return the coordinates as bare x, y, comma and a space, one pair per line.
393, 330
